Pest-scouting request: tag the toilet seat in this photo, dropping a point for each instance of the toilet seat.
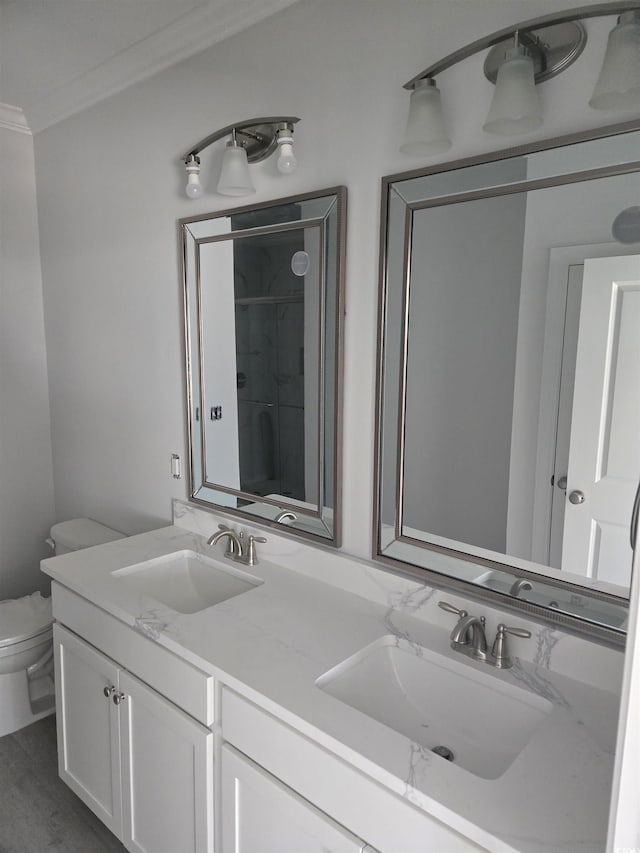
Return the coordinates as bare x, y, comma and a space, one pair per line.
24, 618
27, 690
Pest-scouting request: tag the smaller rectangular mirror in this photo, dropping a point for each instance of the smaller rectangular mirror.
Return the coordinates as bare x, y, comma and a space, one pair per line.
264, 304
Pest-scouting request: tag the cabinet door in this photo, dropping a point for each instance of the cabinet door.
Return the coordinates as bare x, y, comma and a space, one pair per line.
87, 723
261, 815
167, 774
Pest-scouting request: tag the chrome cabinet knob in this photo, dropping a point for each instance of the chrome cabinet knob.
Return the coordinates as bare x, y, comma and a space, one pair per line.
109, 691
562, 483
576, 497
118, 698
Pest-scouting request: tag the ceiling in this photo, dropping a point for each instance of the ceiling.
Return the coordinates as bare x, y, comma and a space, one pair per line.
60, 56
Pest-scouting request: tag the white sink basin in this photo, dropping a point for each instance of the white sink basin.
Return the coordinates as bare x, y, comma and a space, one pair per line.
438, 702
186, 581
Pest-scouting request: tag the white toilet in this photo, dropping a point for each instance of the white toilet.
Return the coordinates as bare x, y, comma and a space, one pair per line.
26, 650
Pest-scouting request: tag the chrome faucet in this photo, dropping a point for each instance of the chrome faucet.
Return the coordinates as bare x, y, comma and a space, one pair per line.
469, 638
519, 585
285, 515
236, 549
470, 634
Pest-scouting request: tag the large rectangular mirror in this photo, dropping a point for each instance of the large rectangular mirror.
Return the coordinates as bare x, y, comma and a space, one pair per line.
508, 400
264, 293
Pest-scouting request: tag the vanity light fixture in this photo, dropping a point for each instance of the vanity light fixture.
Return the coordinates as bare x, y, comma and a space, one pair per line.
518, 59
618, 86
515, 107
249, 142
235, 178
426, 132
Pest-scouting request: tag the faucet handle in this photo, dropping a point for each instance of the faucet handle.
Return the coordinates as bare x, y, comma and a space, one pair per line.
499, 655
451, 609
252, 557
516, 632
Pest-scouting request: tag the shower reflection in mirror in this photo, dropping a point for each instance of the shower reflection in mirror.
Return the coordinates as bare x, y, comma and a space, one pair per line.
263, 288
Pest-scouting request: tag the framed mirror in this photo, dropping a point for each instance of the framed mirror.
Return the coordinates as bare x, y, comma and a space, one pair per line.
264, 305
508, 412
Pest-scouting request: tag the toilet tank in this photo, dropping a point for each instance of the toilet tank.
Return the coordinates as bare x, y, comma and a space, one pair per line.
77, 533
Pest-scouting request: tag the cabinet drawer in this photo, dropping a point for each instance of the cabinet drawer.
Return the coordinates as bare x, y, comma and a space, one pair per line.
184, 684
368, 809
259, 813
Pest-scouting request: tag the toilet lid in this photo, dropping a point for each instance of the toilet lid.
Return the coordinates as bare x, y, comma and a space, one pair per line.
78, 533
23, 617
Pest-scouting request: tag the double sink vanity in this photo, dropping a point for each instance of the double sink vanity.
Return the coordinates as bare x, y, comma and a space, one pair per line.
459, 692
313, 701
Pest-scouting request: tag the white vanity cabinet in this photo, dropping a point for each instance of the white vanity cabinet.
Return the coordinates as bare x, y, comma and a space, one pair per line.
259, 813
139, 761
167, 774
88, 726
282, 792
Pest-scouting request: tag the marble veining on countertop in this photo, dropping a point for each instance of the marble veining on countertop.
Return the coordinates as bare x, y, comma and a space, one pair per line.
272, 643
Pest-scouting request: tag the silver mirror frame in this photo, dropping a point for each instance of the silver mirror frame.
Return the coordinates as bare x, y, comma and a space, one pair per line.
315, 526
412, 556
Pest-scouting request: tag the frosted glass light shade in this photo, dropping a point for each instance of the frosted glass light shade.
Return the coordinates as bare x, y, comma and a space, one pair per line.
425, 132
235, 178
515, 107
618, 86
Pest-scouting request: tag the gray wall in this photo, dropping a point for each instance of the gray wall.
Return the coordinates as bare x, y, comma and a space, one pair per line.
26, 476
465, 292
110, 189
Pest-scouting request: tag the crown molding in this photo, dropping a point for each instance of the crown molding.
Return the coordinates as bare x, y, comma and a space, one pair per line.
13, 118
189, 35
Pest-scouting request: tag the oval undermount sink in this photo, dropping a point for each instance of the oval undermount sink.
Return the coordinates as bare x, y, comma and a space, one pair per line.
470, 716
187, 581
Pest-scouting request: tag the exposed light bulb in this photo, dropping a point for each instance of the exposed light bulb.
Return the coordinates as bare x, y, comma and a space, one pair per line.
287, 162
193, 188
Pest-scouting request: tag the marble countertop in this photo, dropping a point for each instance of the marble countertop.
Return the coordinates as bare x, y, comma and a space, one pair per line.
273, 642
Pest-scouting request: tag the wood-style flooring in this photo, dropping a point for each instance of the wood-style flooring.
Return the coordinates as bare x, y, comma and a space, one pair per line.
38, 812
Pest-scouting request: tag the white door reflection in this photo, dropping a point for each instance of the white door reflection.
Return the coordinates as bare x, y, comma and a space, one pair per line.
604, 454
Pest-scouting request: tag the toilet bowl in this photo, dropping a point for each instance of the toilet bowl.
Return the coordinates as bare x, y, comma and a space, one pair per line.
27, 690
